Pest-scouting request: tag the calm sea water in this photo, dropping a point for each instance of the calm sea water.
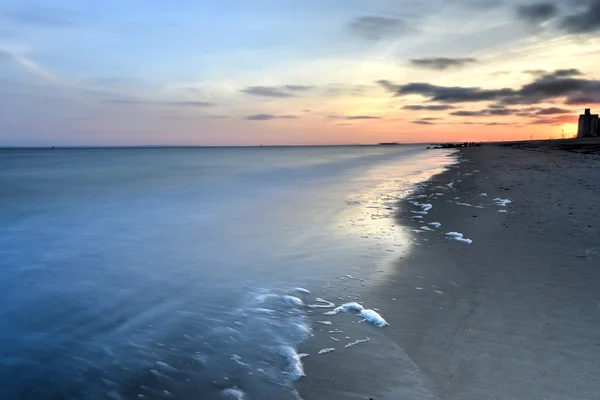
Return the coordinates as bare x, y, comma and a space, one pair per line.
171, 273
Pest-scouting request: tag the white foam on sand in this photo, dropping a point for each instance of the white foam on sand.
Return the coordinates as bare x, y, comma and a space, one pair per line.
417, 217
464, 204
435, 224
502, 211
324, 322
420, 212
502, 202
426, 207
302, 290
459, 237
295, 368
352, 306
325, 351
356, 342
326, 304
483, 194
373, 317
293, 300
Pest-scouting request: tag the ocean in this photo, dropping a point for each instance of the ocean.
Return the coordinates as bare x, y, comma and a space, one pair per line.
189, 273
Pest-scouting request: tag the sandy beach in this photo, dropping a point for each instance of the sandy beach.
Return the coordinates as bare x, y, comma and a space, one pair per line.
513, 315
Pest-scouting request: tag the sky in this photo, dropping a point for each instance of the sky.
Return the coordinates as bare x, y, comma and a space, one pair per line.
240, 72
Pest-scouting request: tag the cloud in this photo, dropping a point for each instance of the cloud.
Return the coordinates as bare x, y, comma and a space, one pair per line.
184, 103
554, 85
537, 13
46, 17
583, 99
378, 28
433, 107
422, 122
491, 111
586, 20
266, 91
552, 110
268, 117
345, 90
559, 73
445, 94
554, 121
469, 113
353, 117
28, 64
442, 63
299, 88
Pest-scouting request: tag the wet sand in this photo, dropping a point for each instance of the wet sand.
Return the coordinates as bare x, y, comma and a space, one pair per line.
514, 315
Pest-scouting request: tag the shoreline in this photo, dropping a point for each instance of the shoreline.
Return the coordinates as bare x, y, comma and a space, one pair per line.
512, 315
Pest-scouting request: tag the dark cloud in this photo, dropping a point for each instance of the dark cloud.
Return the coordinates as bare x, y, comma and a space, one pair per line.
378, 28
268, 117
422, 122
352, 117
585, 20
47, 17
537, 13
559, 73
554, 121
442, 63
469, 113
500, 111
443, 94
583, 99
552, 110
428, 119
433, 107
563, 73
553, 85
184, 103
544, 121
267, 91
490, 111
299, 88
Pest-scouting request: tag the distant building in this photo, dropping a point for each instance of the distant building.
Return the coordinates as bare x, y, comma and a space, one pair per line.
588, 125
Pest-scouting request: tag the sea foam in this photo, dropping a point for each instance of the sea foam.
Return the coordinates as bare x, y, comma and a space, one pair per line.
233, 394
373, 317
459, 237
367, 315
325, 351
502, 202
295, 368
356, 342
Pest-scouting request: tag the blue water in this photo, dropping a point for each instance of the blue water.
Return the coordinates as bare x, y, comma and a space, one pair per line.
157, 273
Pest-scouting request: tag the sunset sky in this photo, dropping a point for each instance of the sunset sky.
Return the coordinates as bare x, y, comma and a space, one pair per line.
240, 72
